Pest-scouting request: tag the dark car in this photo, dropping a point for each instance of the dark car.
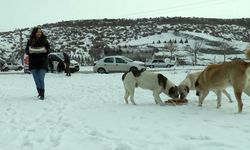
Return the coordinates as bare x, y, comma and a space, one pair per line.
56, 62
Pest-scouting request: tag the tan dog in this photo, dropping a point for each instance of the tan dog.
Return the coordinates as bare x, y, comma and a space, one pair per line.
218, 77
188, 84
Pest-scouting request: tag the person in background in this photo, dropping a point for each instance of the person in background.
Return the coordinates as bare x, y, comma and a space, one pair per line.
51, 65
38, 49
67, 63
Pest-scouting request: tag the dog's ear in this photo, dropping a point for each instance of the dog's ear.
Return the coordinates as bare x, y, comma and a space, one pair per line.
173, 90
187, 88
196, 83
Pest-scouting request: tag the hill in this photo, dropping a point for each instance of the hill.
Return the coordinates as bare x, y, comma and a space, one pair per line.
91, 39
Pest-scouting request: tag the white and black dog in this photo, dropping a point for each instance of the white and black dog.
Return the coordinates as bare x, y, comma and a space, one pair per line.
155, 82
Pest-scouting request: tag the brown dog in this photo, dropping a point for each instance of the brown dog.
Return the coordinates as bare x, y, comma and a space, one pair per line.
219, 76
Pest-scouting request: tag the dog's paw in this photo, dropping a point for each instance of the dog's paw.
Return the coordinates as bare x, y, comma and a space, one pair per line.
218, 107
162, 104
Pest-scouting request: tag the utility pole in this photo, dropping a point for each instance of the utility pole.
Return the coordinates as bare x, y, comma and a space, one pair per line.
21, 50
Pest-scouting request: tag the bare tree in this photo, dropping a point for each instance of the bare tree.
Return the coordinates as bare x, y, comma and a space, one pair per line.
96, 52
225, 47
197, 46
21, 48
171, 47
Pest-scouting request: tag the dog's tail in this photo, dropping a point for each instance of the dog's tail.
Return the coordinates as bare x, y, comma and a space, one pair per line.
124, 75
248, 70
247, 81
136, 72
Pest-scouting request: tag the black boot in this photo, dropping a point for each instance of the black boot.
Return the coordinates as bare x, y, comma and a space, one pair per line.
41, 94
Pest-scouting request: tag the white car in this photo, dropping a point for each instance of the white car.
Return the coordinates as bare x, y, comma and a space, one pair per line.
11, 66
117, 64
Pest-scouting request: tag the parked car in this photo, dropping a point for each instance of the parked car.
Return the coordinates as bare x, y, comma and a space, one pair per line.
161, 63
117, 64
11, 66
57, 61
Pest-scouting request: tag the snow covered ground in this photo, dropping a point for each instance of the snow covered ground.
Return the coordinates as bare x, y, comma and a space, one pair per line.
87, 111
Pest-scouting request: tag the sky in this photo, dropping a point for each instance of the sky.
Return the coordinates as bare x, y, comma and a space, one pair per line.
15, 14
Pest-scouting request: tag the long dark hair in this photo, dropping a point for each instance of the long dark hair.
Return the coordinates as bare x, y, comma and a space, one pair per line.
34, 41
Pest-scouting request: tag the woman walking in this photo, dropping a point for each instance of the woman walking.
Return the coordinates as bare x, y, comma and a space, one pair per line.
38, 49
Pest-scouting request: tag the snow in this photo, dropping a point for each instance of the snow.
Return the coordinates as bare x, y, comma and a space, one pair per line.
87, 111
171, 35
149, 39
237, 44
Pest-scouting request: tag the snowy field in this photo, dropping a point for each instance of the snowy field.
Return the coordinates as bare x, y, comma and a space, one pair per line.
88, 112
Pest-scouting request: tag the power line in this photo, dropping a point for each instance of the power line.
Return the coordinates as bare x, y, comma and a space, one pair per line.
175, 7
193, 7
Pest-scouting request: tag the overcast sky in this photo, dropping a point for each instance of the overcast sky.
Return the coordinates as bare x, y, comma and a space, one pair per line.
28, 13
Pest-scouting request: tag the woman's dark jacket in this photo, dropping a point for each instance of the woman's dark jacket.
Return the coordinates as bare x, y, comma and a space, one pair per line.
38, 60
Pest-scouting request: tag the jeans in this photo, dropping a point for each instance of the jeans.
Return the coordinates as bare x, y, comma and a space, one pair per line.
38, 75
